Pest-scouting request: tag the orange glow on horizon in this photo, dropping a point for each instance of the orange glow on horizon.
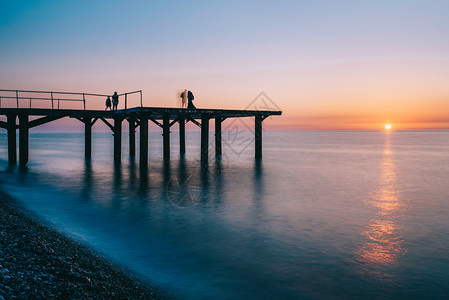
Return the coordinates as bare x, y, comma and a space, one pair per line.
319, 82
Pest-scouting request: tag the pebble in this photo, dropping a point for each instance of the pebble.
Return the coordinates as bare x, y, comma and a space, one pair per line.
38, 262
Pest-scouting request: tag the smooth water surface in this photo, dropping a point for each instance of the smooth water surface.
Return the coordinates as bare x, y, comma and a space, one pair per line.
324, 215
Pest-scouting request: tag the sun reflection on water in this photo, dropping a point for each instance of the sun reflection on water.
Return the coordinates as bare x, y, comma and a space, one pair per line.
382, 245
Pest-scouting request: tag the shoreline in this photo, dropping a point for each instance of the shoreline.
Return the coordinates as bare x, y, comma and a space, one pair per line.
37, 261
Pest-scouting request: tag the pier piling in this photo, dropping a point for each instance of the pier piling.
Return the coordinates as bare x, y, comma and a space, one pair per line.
166, 136
182, 135
12, 139
218, 121
132, 136
258, 136
87, 138
143, 140
117, 138
23, 139
204, 138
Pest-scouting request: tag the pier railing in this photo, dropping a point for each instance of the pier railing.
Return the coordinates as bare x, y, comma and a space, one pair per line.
24, 99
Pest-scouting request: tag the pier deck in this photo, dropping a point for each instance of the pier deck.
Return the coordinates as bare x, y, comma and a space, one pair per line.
136, 117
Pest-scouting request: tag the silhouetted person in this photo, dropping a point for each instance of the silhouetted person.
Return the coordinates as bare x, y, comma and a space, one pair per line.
184, 99
114, 101
190, 97
108, 103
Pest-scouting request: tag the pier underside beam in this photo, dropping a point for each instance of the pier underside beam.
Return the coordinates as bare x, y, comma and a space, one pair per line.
204, 138
182, 135
117, 138
143, 141
166, 136
43, 120
23, 139
107, 123
189, 118
12, 139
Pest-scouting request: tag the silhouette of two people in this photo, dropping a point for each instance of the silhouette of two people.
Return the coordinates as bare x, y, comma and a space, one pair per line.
114, 102
187, 96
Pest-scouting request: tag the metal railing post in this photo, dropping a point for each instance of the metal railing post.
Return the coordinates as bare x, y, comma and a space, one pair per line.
126, 101
30, 102
141, 104
58, 103
84, 102
51, 100
17, 98
0, 102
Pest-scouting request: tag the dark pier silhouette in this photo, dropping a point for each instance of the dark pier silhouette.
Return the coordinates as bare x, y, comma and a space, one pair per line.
137, 117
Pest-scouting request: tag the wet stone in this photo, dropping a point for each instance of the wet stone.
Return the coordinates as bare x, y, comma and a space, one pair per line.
39, 263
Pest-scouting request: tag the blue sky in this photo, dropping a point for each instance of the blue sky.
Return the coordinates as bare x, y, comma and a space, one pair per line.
306, 55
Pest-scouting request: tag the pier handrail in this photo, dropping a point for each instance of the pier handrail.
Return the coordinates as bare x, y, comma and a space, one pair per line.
48, 92
129, 93
52, 98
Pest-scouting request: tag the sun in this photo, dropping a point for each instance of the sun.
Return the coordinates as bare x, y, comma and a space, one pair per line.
387, 126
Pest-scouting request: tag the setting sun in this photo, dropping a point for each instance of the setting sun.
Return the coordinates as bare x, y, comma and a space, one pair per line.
387, 126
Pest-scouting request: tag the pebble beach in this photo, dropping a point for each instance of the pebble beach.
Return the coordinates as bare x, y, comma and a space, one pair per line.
39, 262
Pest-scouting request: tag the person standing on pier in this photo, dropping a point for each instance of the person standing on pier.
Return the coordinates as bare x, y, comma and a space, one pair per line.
184, 99
108, 103
114, 101
190, 97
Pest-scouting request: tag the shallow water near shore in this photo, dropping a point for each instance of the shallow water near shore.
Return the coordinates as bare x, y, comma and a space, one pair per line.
324, 215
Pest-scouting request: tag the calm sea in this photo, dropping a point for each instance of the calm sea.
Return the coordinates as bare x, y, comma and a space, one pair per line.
325, 215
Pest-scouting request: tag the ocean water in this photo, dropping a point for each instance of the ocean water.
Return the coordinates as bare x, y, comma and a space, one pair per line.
324, 215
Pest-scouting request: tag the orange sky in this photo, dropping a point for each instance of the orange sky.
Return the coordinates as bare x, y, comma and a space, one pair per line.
328, 66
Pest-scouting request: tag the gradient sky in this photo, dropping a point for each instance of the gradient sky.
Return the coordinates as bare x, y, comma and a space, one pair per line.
326, 64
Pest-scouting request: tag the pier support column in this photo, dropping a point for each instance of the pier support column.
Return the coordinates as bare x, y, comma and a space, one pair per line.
182, 135
143, 141
12, 139
258, 136
166, 135
87, 138
117, 138
218, 120
132, 136
23, 139
204, 139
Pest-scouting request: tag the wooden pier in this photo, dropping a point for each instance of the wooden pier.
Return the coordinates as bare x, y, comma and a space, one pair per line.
137, 117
